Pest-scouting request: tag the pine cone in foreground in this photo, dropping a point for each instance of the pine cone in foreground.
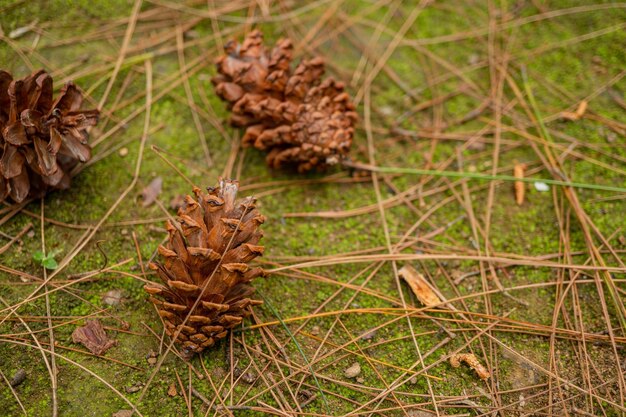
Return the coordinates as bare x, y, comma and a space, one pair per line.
41, 139
299, 119
214, 239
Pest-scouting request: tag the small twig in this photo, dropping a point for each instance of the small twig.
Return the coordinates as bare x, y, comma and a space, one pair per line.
106, 259
16, 238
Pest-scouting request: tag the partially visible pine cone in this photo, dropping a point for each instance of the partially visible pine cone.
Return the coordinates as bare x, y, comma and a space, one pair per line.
299, 119
41, 139
207, 256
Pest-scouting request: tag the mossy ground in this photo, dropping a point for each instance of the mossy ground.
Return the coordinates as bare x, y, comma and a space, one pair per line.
560, 75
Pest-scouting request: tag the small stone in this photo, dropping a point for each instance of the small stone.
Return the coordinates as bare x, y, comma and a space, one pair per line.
420, 413
541, 186
123, 152
611, 136
171, 391
248, 378
134, 388
369, 335
112, 297
18, 378
353, 371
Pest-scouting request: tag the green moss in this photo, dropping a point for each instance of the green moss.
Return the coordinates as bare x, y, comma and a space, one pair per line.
530, 230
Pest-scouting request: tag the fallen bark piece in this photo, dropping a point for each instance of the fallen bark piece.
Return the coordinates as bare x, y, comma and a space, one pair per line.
419, 286
519, 186
472, 361
93, 337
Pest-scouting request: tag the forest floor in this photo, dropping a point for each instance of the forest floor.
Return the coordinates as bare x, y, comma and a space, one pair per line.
457, 94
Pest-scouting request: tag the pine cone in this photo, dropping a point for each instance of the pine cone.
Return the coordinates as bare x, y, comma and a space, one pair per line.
41, 140
299, 119
210, 246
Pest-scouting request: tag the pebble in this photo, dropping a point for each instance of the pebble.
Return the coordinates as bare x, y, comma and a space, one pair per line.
18, 378
134, 388
353, 371
112, 297
152, 358
369, 335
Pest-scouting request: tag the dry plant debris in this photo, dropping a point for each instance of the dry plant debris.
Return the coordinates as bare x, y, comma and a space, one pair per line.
578, 114
205, 271
41, 139
419, 286
294, 115
151, 192
473, 362
93, 337
519, 186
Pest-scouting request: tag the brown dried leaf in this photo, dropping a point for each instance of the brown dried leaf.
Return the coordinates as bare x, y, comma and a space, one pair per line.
419, 286
472, 361
93, 337
152, 191
519, 186
171, 391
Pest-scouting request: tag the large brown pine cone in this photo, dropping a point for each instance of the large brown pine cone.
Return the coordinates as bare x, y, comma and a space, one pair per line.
41, 139
299, 119
206, 258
